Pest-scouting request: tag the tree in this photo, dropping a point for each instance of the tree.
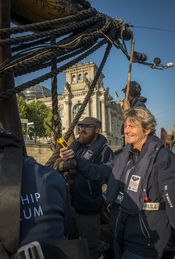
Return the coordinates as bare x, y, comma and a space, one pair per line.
39, 113
23, 111
22, 106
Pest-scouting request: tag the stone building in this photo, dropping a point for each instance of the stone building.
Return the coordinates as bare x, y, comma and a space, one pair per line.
101, 105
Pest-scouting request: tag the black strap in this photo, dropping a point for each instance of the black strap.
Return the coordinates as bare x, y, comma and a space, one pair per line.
10, 188
63, 249
93, 150
155, 178
98, 146
3, 253
70, 249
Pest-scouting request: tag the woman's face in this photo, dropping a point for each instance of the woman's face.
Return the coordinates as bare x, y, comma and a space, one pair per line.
135, 134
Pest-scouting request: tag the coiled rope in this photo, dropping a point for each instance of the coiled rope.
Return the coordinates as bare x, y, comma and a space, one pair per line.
52, 42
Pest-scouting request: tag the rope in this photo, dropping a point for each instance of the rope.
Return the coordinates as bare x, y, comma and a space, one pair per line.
56, 120
37, 80
39, 57
30, 45
78, 39
84, 3
17, 58
47, 24
60, 31
53, 161
89, 94
41, 66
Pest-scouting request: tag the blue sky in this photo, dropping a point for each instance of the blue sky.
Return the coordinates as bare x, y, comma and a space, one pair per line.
157, 86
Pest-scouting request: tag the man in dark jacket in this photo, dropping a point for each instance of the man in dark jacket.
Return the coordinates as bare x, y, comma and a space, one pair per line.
141, 190
44, 201
135, 98
93, 156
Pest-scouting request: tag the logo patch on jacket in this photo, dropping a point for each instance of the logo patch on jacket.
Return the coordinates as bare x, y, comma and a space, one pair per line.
134, 183
88, 154
30, 206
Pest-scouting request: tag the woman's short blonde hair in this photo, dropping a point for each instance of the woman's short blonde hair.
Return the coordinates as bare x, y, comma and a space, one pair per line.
144, 116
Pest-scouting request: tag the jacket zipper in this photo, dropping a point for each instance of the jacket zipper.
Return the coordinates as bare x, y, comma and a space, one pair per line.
90, 188
144, 229
127, 175
116, 223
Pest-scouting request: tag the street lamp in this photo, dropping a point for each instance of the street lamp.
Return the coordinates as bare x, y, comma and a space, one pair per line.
157, 64
169, 65
31, 129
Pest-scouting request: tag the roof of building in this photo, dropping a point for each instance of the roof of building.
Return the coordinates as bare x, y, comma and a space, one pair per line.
36, 92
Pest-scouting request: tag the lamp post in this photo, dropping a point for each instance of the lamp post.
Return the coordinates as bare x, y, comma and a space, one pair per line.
31, 130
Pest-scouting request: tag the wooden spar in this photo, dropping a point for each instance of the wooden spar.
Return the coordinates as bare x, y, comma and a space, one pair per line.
129, 71
9, 115
27, 11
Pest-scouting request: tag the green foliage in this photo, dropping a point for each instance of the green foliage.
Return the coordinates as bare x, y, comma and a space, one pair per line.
38, 113
22, 106
23, 110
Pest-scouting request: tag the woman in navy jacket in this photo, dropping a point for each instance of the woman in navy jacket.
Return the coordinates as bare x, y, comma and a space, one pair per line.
140, 192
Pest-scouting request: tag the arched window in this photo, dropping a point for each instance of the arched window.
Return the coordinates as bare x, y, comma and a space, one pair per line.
80, 77
73, 78
76, 109
86, 75
61, 112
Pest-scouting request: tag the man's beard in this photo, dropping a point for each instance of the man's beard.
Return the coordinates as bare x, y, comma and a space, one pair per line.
86, 140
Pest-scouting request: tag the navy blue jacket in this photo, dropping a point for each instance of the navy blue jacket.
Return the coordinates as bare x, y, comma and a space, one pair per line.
138, 102
147, 232
44, 204
87, 193
44, 199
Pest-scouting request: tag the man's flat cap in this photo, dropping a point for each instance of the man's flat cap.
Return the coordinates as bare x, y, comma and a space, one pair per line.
90, 121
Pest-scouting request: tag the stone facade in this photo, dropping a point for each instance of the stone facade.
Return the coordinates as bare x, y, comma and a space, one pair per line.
101, 105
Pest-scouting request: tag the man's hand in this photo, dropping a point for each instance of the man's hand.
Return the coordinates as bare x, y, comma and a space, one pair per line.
67, 161
126, 105
66, 153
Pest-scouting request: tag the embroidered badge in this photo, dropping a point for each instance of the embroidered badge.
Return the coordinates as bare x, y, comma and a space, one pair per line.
134, 183
88, 154
151, 206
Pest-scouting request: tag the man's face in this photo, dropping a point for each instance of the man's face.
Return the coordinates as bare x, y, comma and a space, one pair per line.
88, 133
